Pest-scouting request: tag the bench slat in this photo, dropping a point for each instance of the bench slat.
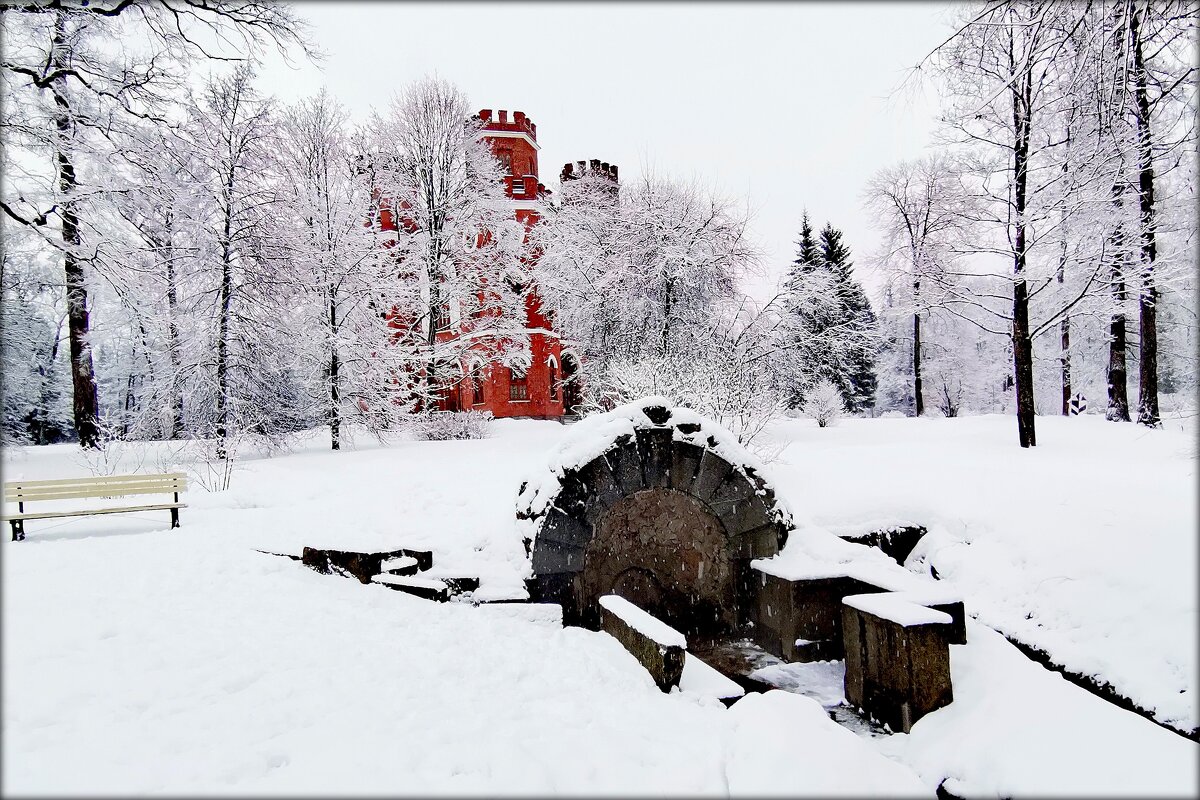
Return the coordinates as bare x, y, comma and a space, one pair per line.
92, 491
91, 479
91, 512
112, 477
20, 487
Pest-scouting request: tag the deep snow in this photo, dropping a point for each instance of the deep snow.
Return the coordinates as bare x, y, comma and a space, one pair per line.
1085, 546
138, 659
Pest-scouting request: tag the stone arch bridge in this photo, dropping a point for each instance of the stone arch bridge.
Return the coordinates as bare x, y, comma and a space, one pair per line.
666, 511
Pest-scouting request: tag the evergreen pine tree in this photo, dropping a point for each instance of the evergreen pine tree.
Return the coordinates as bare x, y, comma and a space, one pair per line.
857, 374
808, 254
829, 321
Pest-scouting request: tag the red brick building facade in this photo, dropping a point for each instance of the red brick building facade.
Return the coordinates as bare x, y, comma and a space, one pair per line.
546, 384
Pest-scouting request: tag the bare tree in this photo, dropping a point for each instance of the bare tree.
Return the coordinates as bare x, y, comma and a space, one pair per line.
1011, 75
152, 273
643, 275
1118, 391
232, 135
339, 266
922, 208
74, 94
455, 240
1159, 40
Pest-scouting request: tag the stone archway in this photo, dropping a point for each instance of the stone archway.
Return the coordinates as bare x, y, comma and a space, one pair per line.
662, 519
661, 549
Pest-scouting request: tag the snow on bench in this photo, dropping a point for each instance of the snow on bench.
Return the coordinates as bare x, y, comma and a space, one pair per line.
656, 645
650, 627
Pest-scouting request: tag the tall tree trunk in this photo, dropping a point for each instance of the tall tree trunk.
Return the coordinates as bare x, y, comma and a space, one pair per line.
173, 346
1118, 397
433, 393
1148, 412
335, 389
1065, 344
918, 399
83, 378
130, 396
434, 229
39, 421
225, 303
1064, 328
1022, 343
668, 305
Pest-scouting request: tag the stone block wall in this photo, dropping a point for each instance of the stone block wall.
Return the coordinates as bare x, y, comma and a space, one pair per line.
663, 662
897, 673
807, 610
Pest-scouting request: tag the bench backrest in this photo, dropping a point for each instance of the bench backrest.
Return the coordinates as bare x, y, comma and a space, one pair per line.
94, 486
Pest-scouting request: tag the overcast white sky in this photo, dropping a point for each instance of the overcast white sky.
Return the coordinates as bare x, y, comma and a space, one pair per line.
779, 105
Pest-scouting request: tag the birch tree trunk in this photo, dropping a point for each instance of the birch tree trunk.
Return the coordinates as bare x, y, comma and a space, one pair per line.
1148, 412
1022, 90
1118, 396
176, 430
335, 389
225, 302
918, 399
83, 377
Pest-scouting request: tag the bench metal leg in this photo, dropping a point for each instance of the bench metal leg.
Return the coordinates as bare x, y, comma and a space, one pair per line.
174, 517
18, 529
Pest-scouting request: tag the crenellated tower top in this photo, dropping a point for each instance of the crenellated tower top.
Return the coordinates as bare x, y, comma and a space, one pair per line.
601, 181
578, 169
500, 122
514, 142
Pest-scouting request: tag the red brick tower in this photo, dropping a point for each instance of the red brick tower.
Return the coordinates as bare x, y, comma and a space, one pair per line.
533, 388
535, 391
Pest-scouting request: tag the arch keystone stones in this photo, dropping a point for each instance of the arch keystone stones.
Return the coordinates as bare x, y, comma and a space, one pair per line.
656, 504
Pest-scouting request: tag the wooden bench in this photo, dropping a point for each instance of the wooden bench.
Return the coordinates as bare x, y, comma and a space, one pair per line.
22, 492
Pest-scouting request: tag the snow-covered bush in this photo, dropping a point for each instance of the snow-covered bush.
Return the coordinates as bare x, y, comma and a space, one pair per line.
443, 425
824, 403
715, 382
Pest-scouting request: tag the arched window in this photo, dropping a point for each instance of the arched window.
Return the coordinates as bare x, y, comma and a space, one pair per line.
518, 382
553, 368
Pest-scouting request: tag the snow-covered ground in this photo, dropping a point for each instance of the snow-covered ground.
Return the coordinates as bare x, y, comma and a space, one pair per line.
1085, 546
138, 659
